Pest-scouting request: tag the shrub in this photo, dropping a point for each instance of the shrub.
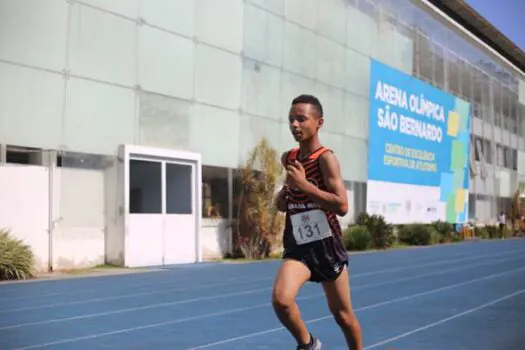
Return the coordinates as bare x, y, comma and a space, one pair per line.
259, 223
16, 258
481, 232
418, 234
444, 231
493, 231
357, 238
382, 233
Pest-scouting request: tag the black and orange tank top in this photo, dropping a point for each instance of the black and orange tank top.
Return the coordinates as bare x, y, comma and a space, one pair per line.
308, 225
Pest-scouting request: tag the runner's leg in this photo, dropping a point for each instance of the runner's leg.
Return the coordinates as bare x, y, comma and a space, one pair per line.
340, 304
291, 276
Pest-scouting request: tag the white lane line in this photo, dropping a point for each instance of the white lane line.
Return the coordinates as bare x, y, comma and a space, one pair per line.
429, 292
368, 307
437, 263
193, 300
133, 295
170, 273
430, 325
315, 295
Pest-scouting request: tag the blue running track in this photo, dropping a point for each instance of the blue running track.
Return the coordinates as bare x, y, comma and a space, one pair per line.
453, 297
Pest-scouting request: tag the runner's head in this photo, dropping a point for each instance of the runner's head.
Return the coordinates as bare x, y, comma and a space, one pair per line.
305, 117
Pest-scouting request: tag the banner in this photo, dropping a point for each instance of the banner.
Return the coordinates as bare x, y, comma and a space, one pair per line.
418, 150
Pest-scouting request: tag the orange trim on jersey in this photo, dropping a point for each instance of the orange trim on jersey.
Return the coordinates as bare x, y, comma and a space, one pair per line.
318, 153
294, 152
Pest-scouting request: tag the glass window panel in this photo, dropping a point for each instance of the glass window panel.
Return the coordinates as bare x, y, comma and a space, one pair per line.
226, 15
164, 121
253, 129
425, 59
521, 91
497, 103
213, 68
361, 31
335, 143
179, 199
453, 74
102, 46
31, 101
477, 86
255, 36
100, 111
275, 37
330, 62
513, 112
355, 166
158, 51
175, 16
299, 57
261, 87
356, 116
500, 155
386, 34
404, 52
439, 66
43, 42
486, 99
211, 127
466, 80
263, 35
332, 19
215, 192
332, 101
505, 104
145, 187
303, 12
357, 73
487, 151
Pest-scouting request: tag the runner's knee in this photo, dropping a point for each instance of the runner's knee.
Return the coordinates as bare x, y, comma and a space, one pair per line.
282, 299
344, 317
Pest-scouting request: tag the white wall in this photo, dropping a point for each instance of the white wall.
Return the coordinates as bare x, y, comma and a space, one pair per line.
24, 200
80, 218
114, 209
215, 238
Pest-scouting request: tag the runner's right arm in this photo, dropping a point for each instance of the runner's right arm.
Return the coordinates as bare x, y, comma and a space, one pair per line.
281, 201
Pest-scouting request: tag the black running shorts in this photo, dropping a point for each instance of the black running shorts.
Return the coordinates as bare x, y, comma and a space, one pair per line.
320, 273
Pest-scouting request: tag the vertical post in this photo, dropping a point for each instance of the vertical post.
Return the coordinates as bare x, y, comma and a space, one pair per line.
3, 154
230, 209
51, 166
493, 204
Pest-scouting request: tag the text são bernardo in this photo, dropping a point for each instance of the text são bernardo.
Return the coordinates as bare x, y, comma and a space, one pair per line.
417, 104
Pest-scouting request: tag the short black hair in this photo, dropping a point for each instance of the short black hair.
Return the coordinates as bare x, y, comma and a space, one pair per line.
310, 99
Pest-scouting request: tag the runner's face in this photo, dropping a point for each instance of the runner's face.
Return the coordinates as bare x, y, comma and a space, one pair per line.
304, 121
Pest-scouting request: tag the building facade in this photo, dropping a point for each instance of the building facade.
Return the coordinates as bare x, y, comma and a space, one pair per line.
79, 79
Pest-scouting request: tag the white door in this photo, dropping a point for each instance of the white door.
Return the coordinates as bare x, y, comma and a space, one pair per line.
164, 202
144, 239
180, 241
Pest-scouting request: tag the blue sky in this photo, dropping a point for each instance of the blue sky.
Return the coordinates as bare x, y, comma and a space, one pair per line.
506, 15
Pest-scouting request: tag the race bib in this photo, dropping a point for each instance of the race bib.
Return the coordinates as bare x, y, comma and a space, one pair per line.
310, 226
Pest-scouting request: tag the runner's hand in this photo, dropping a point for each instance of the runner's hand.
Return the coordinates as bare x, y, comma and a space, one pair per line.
295, 175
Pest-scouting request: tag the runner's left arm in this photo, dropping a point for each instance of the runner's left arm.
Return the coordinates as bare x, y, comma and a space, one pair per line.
335, 199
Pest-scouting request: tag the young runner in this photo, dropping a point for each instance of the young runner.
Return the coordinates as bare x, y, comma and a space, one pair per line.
312, 197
